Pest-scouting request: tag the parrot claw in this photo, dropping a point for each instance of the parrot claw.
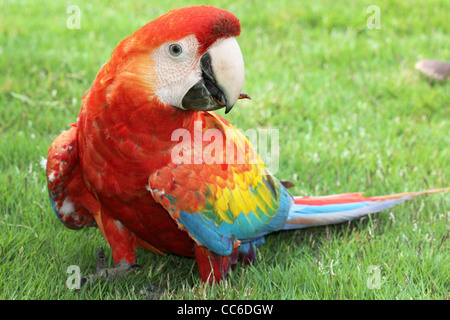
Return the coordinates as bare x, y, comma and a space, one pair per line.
101, 271
101, 260
151, 292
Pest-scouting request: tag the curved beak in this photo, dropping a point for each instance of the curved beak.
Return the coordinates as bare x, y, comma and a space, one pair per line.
222, 68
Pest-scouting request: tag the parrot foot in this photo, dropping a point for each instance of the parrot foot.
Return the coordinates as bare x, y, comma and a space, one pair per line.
101, 271
151, 292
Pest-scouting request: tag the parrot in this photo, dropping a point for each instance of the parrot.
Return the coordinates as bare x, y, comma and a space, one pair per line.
131, 166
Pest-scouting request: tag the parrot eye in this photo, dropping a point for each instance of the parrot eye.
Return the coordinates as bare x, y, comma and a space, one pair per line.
175, 50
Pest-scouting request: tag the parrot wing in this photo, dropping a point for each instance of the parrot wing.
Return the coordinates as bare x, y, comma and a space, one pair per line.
222, 205
71, 201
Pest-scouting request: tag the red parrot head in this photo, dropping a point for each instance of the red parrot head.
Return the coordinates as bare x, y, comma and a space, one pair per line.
188, 59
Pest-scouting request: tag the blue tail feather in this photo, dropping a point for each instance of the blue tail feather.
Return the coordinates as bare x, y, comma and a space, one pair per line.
303, 216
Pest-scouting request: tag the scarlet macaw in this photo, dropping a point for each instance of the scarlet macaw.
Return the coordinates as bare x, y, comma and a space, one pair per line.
115, 169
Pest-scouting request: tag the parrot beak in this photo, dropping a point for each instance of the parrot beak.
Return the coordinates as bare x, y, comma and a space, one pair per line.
222, 78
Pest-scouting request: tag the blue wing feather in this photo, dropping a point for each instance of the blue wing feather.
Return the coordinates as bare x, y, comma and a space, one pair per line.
220, 238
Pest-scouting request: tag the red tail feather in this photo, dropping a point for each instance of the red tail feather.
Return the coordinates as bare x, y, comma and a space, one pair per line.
356, 197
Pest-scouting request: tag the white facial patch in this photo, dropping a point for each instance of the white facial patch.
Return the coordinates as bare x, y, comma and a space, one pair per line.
177, 69
176, 74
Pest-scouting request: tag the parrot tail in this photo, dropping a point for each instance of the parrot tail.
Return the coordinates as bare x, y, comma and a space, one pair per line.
333, 209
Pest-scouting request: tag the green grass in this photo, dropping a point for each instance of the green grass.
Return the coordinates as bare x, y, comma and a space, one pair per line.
353, 115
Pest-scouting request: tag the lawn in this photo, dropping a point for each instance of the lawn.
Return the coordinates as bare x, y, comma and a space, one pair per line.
352, 112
